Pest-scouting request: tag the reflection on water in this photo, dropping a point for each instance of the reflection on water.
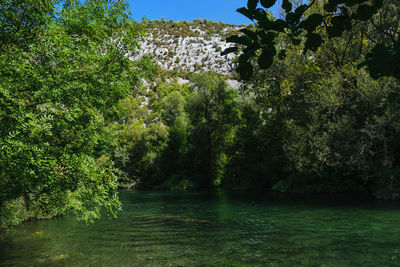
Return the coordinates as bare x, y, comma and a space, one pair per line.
215, 229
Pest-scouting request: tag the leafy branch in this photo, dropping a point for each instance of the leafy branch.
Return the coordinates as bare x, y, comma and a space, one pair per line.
302, 27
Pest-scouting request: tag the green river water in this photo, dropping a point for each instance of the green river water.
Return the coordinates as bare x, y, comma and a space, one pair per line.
215, 229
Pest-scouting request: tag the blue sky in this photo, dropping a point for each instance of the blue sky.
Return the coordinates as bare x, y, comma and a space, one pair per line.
216, 10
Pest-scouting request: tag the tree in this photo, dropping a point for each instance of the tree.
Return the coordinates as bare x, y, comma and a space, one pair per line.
60, 76
213, 114
21, 21
304, 23
316, 123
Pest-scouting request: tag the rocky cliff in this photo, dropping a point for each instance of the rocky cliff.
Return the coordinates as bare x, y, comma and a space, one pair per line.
189, 46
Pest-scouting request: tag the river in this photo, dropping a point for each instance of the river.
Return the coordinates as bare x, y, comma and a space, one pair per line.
215, 228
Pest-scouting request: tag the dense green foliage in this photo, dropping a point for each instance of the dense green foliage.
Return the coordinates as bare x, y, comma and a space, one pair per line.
182, 142
308, 23
313, 122
78, 118
60, 75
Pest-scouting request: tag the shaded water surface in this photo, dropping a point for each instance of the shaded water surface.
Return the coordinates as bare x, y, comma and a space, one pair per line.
215, 229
